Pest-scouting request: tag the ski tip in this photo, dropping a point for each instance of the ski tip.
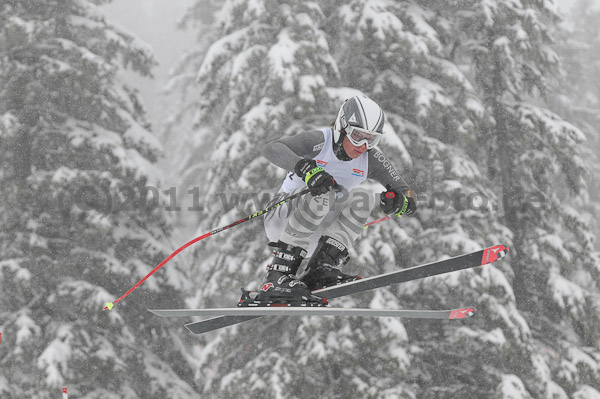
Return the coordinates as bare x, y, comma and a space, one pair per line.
492, 254
462, 313
190, 329
109, 306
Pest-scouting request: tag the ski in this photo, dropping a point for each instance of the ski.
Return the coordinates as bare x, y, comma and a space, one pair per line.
453, 314
467, 261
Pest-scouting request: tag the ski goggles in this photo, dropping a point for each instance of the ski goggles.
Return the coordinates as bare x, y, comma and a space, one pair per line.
358, 136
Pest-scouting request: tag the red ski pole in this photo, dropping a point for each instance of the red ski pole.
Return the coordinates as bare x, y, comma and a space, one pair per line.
383, 219
110, 305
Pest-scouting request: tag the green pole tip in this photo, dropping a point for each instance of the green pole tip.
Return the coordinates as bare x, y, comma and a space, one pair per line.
109, 306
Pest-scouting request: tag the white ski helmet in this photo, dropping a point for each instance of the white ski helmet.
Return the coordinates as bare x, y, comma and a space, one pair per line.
361, 120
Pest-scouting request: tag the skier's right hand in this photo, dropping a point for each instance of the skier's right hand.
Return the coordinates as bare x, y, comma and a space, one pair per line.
317, 180
395, 202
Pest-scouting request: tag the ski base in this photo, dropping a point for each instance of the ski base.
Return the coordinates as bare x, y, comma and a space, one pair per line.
454, 314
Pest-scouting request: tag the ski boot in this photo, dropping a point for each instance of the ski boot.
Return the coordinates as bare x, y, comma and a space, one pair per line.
323, 268
282, 287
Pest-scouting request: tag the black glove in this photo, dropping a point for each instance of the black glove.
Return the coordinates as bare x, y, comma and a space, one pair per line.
394, 202
317, 180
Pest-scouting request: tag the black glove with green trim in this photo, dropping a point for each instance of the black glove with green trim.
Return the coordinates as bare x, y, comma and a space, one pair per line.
317, 180
394, 202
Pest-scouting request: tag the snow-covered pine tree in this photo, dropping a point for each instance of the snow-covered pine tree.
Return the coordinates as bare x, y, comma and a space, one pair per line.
266, 75
77, 228
408, 64
535, 159
357, 348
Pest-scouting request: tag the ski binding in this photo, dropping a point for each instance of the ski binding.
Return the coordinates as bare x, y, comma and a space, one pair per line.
250, 299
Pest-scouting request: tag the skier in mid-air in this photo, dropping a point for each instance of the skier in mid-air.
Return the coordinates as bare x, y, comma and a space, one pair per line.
332, 163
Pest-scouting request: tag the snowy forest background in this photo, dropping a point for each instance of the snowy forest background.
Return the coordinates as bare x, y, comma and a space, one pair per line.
101, 181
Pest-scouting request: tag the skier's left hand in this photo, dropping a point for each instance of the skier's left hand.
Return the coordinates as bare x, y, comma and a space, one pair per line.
394, 202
